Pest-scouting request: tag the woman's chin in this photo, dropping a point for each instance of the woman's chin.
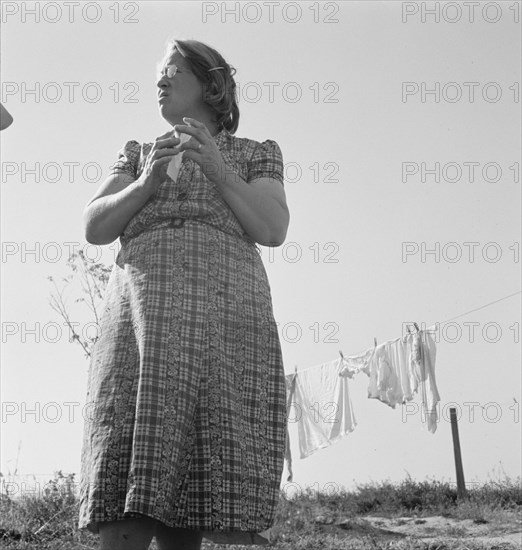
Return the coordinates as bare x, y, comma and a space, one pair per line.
168, 111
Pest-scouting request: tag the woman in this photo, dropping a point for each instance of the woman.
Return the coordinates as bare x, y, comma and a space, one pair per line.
186, 433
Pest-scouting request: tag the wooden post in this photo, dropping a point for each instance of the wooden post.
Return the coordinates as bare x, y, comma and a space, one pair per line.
461, 486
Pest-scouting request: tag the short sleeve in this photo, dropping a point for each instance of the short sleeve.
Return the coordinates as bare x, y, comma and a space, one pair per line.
128, 159
266, 161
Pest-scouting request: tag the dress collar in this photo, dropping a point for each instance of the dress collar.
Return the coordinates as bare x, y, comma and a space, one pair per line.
222, 136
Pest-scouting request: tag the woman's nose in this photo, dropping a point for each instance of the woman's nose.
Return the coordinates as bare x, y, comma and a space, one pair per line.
162, 82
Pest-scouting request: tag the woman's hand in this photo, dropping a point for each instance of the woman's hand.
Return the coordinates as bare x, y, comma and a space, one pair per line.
155, 169
202, 149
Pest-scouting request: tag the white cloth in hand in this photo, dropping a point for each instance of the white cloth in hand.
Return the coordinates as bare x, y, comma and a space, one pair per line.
175, 163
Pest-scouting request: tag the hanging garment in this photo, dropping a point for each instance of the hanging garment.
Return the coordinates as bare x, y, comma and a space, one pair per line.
323, 409
400, 367
175, 163
353, 364
428, 385
390, 376
415, 360
290, 381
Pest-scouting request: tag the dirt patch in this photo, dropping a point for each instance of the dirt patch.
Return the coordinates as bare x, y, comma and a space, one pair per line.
435, 527
505, 528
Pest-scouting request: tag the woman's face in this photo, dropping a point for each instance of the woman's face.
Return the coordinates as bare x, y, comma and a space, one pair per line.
183, 92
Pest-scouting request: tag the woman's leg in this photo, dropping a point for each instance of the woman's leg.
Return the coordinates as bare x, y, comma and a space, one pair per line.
176, 538
127, 534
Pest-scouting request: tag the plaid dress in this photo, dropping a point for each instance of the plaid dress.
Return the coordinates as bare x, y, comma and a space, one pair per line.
186, 402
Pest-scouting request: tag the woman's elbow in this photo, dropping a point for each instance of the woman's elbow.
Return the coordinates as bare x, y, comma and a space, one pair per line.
93, 237
277, 235
277, 239
273, 243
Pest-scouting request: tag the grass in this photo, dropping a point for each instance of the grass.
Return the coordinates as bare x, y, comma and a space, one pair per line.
48, 521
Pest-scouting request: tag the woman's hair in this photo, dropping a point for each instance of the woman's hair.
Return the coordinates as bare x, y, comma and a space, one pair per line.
219, 86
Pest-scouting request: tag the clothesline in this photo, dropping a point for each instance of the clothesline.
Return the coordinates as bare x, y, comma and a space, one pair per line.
481, 307
398, 369
434, 326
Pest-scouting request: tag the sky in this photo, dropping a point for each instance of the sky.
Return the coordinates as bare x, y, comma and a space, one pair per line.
381, 110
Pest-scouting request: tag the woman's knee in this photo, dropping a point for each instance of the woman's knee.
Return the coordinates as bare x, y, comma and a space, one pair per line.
127, 534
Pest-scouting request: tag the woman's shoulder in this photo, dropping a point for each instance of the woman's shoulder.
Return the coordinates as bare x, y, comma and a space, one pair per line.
131, 146
128, 158
142, 149
132, 156
250, 147
251, 142
263, 158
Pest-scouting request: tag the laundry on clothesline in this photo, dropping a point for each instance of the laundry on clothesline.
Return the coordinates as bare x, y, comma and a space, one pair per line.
354, 364
398, 370
290, 381
402, 368
322, 407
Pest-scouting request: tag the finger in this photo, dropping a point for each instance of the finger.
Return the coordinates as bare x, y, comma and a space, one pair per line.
194, 122
168, 142
161, 164
183, 129
191, 145
190, 154
193, 154
197, 124
167, 134
163, 160
160, 153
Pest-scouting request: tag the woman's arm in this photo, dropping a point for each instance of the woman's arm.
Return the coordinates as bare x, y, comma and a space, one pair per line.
112, 207
121, 195
259, 205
